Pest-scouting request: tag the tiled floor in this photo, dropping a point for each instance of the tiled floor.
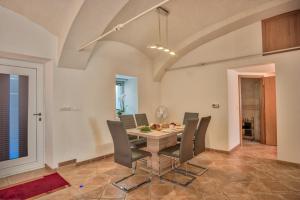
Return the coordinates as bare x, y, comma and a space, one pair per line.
248, 173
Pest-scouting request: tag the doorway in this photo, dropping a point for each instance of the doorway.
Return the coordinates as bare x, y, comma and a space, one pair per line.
258, 109
21, 108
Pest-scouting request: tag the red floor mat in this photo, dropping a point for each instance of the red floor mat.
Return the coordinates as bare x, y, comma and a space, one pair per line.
34, 188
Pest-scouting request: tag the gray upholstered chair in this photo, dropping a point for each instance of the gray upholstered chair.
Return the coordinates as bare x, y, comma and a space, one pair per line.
187, 116
183, 151
141, 119
199, 142
124, 154
129, 123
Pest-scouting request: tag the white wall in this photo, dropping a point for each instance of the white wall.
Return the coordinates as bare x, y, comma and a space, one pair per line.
20, 35
195, 89
90, 94
83, 134
233, 109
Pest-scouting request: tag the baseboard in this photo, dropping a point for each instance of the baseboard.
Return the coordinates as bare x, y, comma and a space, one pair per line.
217, 150
93, 159
289, 163
68, 162
75, 162
48, 167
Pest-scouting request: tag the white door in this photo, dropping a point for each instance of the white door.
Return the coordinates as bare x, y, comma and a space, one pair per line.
20, 115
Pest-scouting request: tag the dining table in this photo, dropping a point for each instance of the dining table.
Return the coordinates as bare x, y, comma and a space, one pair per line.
156, 141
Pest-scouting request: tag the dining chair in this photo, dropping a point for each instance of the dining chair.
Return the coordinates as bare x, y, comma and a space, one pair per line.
199, 143
187, 116
182, 152
125, 155
141, 119
129, 123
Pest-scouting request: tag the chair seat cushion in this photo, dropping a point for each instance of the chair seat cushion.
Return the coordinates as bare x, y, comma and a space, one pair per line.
140, 143
172, 151
139, 154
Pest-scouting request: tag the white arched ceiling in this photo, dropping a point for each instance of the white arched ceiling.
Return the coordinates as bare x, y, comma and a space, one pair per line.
186, 18
56, 16
223, 27
92, 19
191, 23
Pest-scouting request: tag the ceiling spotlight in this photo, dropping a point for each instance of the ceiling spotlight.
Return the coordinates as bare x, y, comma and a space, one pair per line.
166, 50
160, 48
172, 53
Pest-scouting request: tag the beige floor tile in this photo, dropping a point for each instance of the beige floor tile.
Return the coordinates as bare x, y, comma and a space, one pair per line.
249, 173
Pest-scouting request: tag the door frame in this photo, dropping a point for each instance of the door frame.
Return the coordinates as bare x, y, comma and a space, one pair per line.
262, 123
40, 128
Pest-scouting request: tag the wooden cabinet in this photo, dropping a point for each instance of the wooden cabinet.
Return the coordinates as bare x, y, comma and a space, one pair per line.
281, 33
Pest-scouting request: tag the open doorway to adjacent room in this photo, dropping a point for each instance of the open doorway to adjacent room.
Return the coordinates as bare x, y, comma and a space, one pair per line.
258, 109
252, 105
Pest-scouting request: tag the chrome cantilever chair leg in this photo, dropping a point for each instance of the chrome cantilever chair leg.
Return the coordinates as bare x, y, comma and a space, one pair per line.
178, 171
204, 169
133, 169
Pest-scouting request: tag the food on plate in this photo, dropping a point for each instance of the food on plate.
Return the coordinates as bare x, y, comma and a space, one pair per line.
145, 129
174, 124
155, 126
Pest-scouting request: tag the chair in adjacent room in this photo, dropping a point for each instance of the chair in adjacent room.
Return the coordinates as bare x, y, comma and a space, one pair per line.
182, 152
125, 155
188, 116
199, 143
141, 119
129, 123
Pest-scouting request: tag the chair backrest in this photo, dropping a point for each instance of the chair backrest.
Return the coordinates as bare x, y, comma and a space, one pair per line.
128, 121
199, 144
190, 115
122, 151
186, 151
141, 119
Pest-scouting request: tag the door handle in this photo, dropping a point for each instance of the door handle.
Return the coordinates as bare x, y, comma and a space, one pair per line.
37, 114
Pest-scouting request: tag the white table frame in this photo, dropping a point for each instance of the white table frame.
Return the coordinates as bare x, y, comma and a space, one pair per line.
156, 141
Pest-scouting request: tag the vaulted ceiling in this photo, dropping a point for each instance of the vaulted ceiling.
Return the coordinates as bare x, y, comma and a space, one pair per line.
186, 18
191, 23
54, 15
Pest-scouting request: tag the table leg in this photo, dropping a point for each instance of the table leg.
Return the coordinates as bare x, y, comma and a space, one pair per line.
160, 164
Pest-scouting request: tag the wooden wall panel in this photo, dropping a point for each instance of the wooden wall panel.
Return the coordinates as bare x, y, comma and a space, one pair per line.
270, 111
282, 32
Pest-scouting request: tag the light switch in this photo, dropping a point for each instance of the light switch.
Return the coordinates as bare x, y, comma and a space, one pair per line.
216, 106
